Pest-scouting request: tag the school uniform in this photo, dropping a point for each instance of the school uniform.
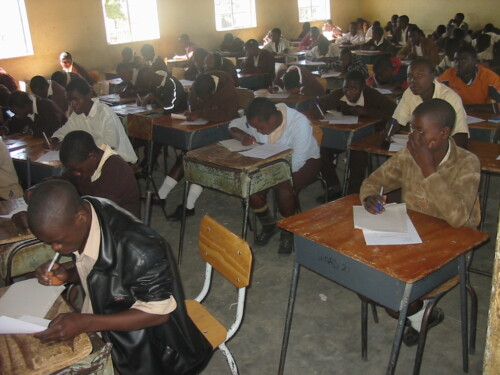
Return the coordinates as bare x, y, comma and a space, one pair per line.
309, 84
315, 54
262, 63
8, 81
9, 181
382, 45
282, 49
57, 93
427, 49
356, 39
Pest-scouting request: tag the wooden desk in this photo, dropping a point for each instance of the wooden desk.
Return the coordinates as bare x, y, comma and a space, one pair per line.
26, 355
369, 57
115, 99
312, 65
394, 276
216, 167
18, 141
292, 100
484, 131
9, 232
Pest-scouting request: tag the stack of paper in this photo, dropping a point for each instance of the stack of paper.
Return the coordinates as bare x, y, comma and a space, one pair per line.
383, 91
342, 120
265, 151
24, 306
330, 74
51, 155
474, 120
398, 142
178, 116
235, 146
391, 227
199, 121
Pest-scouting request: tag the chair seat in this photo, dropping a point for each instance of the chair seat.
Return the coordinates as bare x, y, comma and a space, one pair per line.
443, 288
211, 328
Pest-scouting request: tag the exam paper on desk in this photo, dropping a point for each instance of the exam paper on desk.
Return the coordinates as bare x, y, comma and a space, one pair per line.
398, 142
387, 238
235, 146
341, 120
51, 155
392, 219
265, 151
383, 91
200, 121
473, 120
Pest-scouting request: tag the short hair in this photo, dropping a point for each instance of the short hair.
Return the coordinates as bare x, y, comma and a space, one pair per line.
127, 51
355, 76
204, 85
143, 75
228, 37
60, 77
199, 53
469, 50
424, 62
345, 51
184, 37
489, 28
147, 48
251, 44
440, 110
65, 55
76, 147
377, 30
376, 24
79, 85
291, 79
382, 62
38, 83
262, 109
404, 18
19, 99
276, 30
394, 16
54, 201
314, 29
461, 15
324, 42
441, 29
217, 60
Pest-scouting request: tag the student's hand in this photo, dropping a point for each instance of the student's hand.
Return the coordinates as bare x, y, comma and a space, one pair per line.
65, 327
248, 140
273, 90
411, 56
421, 153
54, 143
386, 135
191, 116
58, 276
374, 204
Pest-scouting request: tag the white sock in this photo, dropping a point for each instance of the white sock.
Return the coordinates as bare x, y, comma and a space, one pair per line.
167, 186
416, 319
194, 193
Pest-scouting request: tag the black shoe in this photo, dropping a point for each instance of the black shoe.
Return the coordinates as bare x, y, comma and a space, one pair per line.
286, 243
332, 193
177, 214
410, 336
265, 235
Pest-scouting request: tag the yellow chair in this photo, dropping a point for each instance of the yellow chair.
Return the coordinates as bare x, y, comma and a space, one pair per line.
232, 258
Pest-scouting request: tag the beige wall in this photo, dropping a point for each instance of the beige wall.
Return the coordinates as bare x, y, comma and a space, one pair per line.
77, 26
427, 14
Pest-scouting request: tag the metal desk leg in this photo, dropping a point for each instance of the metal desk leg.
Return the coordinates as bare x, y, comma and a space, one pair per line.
28, 173
484, 197
396, 345
183, 223
289, 313
463, 309
346, 170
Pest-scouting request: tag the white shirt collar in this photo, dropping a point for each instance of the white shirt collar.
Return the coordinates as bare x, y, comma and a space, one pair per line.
360, 102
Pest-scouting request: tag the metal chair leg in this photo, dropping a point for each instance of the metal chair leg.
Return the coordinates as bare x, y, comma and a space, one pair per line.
374, 312
473, 318
364, 330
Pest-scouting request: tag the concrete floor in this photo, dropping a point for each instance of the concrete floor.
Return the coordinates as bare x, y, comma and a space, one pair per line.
326, 333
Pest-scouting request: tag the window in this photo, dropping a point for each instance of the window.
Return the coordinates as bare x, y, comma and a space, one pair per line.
234, 14
130, 20
314, 10
15, 37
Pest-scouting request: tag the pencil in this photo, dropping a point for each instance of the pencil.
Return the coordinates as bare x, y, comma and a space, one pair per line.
46, 139
53, 262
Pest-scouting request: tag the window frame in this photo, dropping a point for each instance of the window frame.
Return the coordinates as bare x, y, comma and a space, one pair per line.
327, 11
252, 13
28, 42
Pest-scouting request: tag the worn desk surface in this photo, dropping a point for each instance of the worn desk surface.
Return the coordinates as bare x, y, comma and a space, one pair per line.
18, 141
32, 152
9, 232
115, 99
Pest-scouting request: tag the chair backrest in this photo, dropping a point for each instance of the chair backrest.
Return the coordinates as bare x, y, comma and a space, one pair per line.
226, 252
245, 97
140, 127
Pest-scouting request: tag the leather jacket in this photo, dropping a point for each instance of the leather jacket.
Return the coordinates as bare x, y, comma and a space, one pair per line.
134, 263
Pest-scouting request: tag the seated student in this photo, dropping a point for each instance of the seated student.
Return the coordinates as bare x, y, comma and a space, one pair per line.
306, 27
232, 44
277, 45
369, 32
389, 73
438, 34
355, 98
354, 37
448, 61
196, 64
485, 43
347, 63
95, 118
419, 46
63, 78
8, 81
324, 51
436, 178
311, 39
187, 46
34, 115
458, 22
266, 122
476, 85
330, 31
49, 90
400, 34
128, 74
9, 182
5, 113
129, 57
152, 59
134, 296
257, 61
213, 97
299, 80
70, 66
377, 42
392, 25
99, 171
215, 62
423, 87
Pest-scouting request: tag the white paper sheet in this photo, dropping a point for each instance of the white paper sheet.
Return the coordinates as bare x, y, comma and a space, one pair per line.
343, 120
392, 219
386, 238
383, 91
316, 63
29, 297
474, 120
330, 74
398, 142
23, 206
51, 155
24, 325
498, 157
129, 109
235, 145
186, 82
265, 151
278, 95
200, 121
178, 116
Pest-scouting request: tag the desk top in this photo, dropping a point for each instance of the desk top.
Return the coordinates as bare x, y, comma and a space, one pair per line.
361, 52
362, 123
313, 64
168, 122
18, 141
33, 152
9, 232
331, 225
290, 99
218, 155
26, 355
114, 99
484, 124
485, 151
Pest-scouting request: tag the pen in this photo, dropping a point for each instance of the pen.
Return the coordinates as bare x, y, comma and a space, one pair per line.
53, 262
140, 99
390, 128
46, 139
319, 108
189, 106
379, 205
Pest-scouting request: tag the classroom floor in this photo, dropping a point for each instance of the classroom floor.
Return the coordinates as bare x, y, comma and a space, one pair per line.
326, 332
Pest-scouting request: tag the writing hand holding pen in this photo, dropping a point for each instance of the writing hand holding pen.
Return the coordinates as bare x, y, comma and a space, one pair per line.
374, 204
